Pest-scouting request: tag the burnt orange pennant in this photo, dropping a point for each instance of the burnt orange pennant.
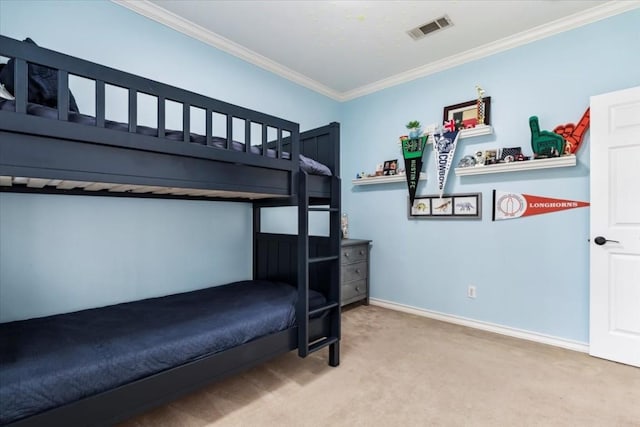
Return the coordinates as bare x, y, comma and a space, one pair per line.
507, 205
537, 205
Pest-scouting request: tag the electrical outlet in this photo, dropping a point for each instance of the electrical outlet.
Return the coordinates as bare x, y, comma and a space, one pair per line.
471, 291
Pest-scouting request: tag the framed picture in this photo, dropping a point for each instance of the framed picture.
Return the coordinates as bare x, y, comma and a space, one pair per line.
469, 114
390, 167
449, 206
442, 206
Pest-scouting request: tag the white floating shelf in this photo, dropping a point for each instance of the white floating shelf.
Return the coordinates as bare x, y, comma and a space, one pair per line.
384, 179
555, 162
469, 133
476, 131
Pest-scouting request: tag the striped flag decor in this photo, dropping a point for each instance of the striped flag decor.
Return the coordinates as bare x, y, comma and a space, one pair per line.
412, 151
515, 205
445, 147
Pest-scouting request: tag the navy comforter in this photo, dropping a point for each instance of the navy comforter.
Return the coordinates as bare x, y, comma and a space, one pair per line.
307, 164
50, 361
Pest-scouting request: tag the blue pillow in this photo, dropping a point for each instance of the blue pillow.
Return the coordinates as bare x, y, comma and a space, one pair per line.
312, 167
43, 83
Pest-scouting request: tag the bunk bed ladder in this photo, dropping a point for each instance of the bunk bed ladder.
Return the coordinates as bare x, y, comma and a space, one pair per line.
330, 261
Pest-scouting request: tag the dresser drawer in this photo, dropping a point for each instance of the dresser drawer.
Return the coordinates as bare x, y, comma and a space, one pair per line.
354, 254
353, 289
352, 272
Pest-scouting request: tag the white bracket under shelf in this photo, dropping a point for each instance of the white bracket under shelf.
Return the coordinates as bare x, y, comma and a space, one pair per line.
554, 162
384, 179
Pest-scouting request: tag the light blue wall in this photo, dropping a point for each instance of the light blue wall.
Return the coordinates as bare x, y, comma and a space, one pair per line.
531, 273
62, 253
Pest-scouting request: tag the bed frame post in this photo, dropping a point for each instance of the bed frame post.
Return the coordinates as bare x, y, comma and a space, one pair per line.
334, 285
302, 308
21, 91
63, 95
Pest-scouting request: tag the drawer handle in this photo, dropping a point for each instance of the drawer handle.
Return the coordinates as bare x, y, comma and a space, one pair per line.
357, 271
346, 254
361, 252
357, 289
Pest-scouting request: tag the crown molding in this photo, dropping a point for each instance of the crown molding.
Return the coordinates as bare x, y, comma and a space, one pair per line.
571, 22
163, 16
171, 20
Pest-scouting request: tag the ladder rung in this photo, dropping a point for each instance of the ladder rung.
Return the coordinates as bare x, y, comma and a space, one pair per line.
322, 344
323, 259
324, 210
323, 308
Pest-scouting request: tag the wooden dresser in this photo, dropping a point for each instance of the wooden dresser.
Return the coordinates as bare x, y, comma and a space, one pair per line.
354, 281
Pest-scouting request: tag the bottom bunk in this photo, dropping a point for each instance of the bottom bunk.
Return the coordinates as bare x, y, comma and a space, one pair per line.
100, 366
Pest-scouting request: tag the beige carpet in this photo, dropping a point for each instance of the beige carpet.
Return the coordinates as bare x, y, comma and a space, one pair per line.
403, 370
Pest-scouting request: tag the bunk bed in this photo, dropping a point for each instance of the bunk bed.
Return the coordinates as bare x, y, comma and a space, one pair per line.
103, 365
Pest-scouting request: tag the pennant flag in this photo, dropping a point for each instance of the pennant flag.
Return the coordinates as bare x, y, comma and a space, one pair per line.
515, 205
445, 148
412, 150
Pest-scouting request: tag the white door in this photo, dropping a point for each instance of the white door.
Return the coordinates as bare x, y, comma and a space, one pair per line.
615, 226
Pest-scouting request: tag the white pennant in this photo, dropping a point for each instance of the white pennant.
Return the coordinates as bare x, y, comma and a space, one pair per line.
445, 147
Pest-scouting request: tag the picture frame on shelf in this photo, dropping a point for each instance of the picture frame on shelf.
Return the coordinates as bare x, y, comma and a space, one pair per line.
509, 154
449, 206
466, 114
390, 167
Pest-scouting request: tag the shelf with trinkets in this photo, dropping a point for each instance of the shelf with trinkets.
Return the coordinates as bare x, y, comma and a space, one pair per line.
384, 179
515, 166
387, 179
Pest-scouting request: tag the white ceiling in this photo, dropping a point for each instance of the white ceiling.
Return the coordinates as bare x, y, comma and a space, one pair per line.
346, 49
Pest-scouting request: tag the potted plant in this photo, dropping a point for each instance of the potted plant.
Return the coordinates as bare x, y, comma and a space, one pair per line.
415, 129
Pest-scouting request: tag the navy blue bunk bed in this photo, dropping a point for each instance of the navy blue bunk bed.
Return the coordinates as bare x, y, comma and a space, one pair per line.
103, 365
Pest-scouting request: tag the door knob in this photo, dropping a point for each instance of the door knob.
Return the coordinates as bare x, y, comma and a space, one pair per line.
601, 241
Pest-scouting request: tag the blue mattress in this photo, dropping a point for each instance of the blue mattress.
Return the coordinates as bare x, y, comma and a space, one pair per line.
51, 361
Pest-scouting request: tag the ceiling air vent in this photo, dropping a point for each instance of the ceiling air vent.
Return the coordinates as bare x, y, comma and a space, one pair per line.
430, 27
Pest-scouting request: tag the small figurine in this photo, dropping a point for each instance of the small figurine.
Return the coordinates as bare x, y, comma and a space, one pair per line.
467, 161
344, 226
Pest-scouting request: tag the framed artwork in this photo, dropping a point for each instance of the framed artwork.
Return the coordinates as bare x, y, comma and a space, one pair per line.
469, 114
390, 167
449, 206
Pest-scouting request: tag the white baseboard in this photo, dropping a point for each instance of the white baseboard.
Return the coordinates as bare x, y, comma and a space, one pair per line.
485, 326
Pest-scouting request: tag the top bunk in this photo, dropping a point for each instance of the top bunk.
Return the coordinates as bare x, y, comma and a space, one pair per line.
160, 141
